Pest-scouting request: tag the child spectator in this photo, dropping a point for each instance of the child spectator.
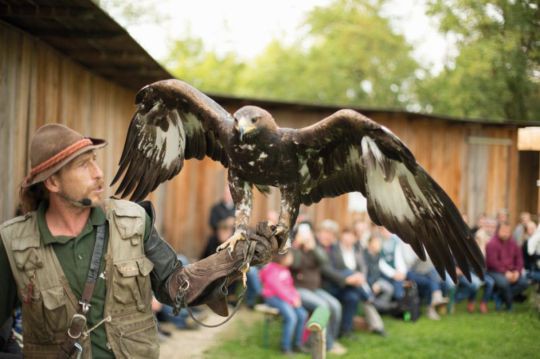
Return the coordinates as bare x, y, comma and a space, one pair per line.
279, 292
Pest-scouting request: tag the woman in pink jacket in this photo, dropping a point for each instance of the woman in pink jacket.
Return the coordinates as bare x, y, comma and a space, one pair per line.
279, 292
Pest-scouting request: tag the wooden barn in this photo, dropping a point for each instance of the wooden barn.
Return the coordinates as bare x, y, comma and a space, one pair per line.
67, 61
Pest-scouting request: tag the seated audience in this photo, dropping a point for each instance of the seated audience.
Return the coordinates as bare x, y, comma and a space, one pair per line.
279, 292
504, 263
427, 279
381, 287
349, 284
306, 269
391, 263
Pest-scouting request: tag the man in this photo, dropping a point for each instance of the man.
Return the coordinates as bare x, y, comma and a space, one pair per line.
46, 254
349, 284
504, 261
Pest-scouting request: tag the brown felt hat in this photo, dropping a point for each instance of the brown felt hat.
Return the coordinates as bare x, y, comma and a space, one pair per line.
52, 147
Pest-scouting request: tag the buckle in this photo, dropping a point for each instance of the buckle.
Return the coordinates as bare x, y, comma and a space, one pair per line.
84, 306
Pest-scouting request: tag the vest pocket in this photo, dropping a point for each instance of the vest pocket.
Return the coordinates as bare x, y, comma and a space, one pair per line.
132, 282
54, 301
33, 324
45, 315
139, 339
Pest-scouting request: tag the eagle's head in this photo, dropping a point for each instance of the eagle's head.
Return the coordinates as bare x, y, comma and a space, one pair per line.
251, 121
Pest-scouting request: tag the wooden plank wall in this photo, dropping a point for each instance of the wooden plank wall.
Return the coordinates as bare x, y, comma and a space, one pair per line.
39, 85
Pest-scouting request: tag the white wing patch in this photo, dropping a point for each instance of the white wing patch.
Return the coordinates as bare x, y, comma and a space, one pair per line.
169, 144
388, 196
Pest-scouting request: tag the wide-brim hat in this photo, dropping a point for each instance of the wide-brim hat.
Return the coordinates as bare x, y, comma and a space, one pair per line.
52, 147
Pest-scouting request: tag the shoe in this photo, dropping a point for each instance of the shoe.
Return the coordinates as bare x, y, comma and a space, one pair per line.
301, 349
483, 308
438, 299
470, 306
432, 313
338, 349
288, 352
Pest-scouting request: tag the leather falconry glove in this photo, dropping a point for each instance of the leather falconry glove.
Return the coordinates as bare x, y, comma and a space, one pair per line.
206, 281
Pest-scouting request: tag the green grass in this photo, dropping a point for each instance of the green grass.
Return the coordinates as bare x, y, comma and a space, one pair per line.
459, 335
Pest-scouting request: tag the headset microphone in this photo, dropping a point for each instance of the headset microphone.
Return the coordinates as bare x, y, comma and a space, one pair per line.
86, 202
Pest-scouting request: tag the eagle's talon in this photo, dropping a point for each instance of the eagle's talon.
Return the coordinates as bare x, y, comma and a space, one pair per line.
230, 243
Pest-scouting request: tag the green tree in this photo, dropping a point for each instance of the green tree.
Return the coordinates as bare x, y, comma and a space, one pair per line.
349, 55
496, 74
204, 69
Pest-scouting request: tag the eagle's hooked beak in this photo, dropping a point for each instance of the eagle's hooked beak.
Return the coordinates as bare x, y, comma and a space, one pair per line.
245, 126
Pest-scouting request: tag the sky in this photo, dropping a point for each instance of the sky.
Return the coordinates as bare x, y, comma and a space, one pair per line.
247, 26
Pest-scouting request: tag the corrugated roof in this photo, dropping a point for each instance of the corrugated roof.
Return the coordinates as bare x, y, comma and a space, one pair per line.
84, 32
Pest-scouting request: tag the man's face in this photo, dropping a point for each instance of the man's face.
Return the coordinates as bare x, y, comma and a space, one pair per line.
326, 237
82, 178
347, 239
504, 232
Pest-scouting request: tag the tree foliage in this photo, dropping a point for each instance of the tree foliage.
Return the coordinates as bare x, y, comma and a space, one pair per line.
496, 74
349, 55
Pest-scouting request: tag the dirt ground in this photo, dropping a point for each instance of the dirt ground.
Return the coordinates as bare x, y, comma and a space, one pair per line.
192, 344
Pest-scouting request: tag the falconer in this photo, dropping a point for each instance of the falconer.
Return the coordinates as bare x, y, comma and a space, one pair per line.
83, 268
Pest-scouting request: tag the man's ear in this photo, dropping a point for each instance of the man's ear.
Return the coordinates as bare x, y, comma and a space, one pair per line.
52, 184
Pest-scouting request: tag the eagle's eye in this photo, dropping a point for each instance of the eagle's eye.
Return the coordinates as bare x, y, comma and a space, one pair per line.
254, 120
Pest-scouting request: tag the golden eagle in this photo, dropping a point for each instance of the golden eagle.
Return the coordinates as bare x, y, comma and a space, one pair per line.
342, 153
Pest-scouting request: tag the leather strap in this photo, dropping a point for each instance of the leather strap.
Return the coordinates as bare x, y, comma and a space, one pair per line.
93, 272
71, 346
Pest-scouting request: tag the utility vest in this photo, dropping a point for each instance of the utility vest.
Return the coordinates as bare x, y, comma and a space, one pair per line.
48, 303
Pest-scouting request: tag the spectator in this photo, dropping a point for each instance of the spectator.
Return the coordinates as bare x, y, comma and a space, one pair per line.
391, 263
279, 292
427, 279
504, 262
9, 348
222, 209
349, 284
382, 288
466, 289
502, 216
521, 232
223, 231
533, 253
306, 268
484, 234
362, 230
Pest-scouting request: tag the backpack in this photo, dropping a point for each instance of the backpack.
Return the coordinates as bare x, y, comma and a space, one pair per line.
410, 304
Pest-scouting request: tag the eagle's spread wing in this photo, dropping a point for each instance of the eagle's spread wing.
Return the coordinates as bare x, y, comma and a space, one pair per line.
173, 122
348, 152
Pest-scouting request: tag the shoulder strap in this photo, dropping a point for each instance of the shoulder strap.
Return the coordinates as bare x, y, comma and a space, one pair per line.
95, 264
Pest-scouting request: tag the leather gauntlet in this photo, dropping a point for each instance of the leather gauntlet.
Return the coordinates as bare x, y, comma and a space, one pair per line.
205, 281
